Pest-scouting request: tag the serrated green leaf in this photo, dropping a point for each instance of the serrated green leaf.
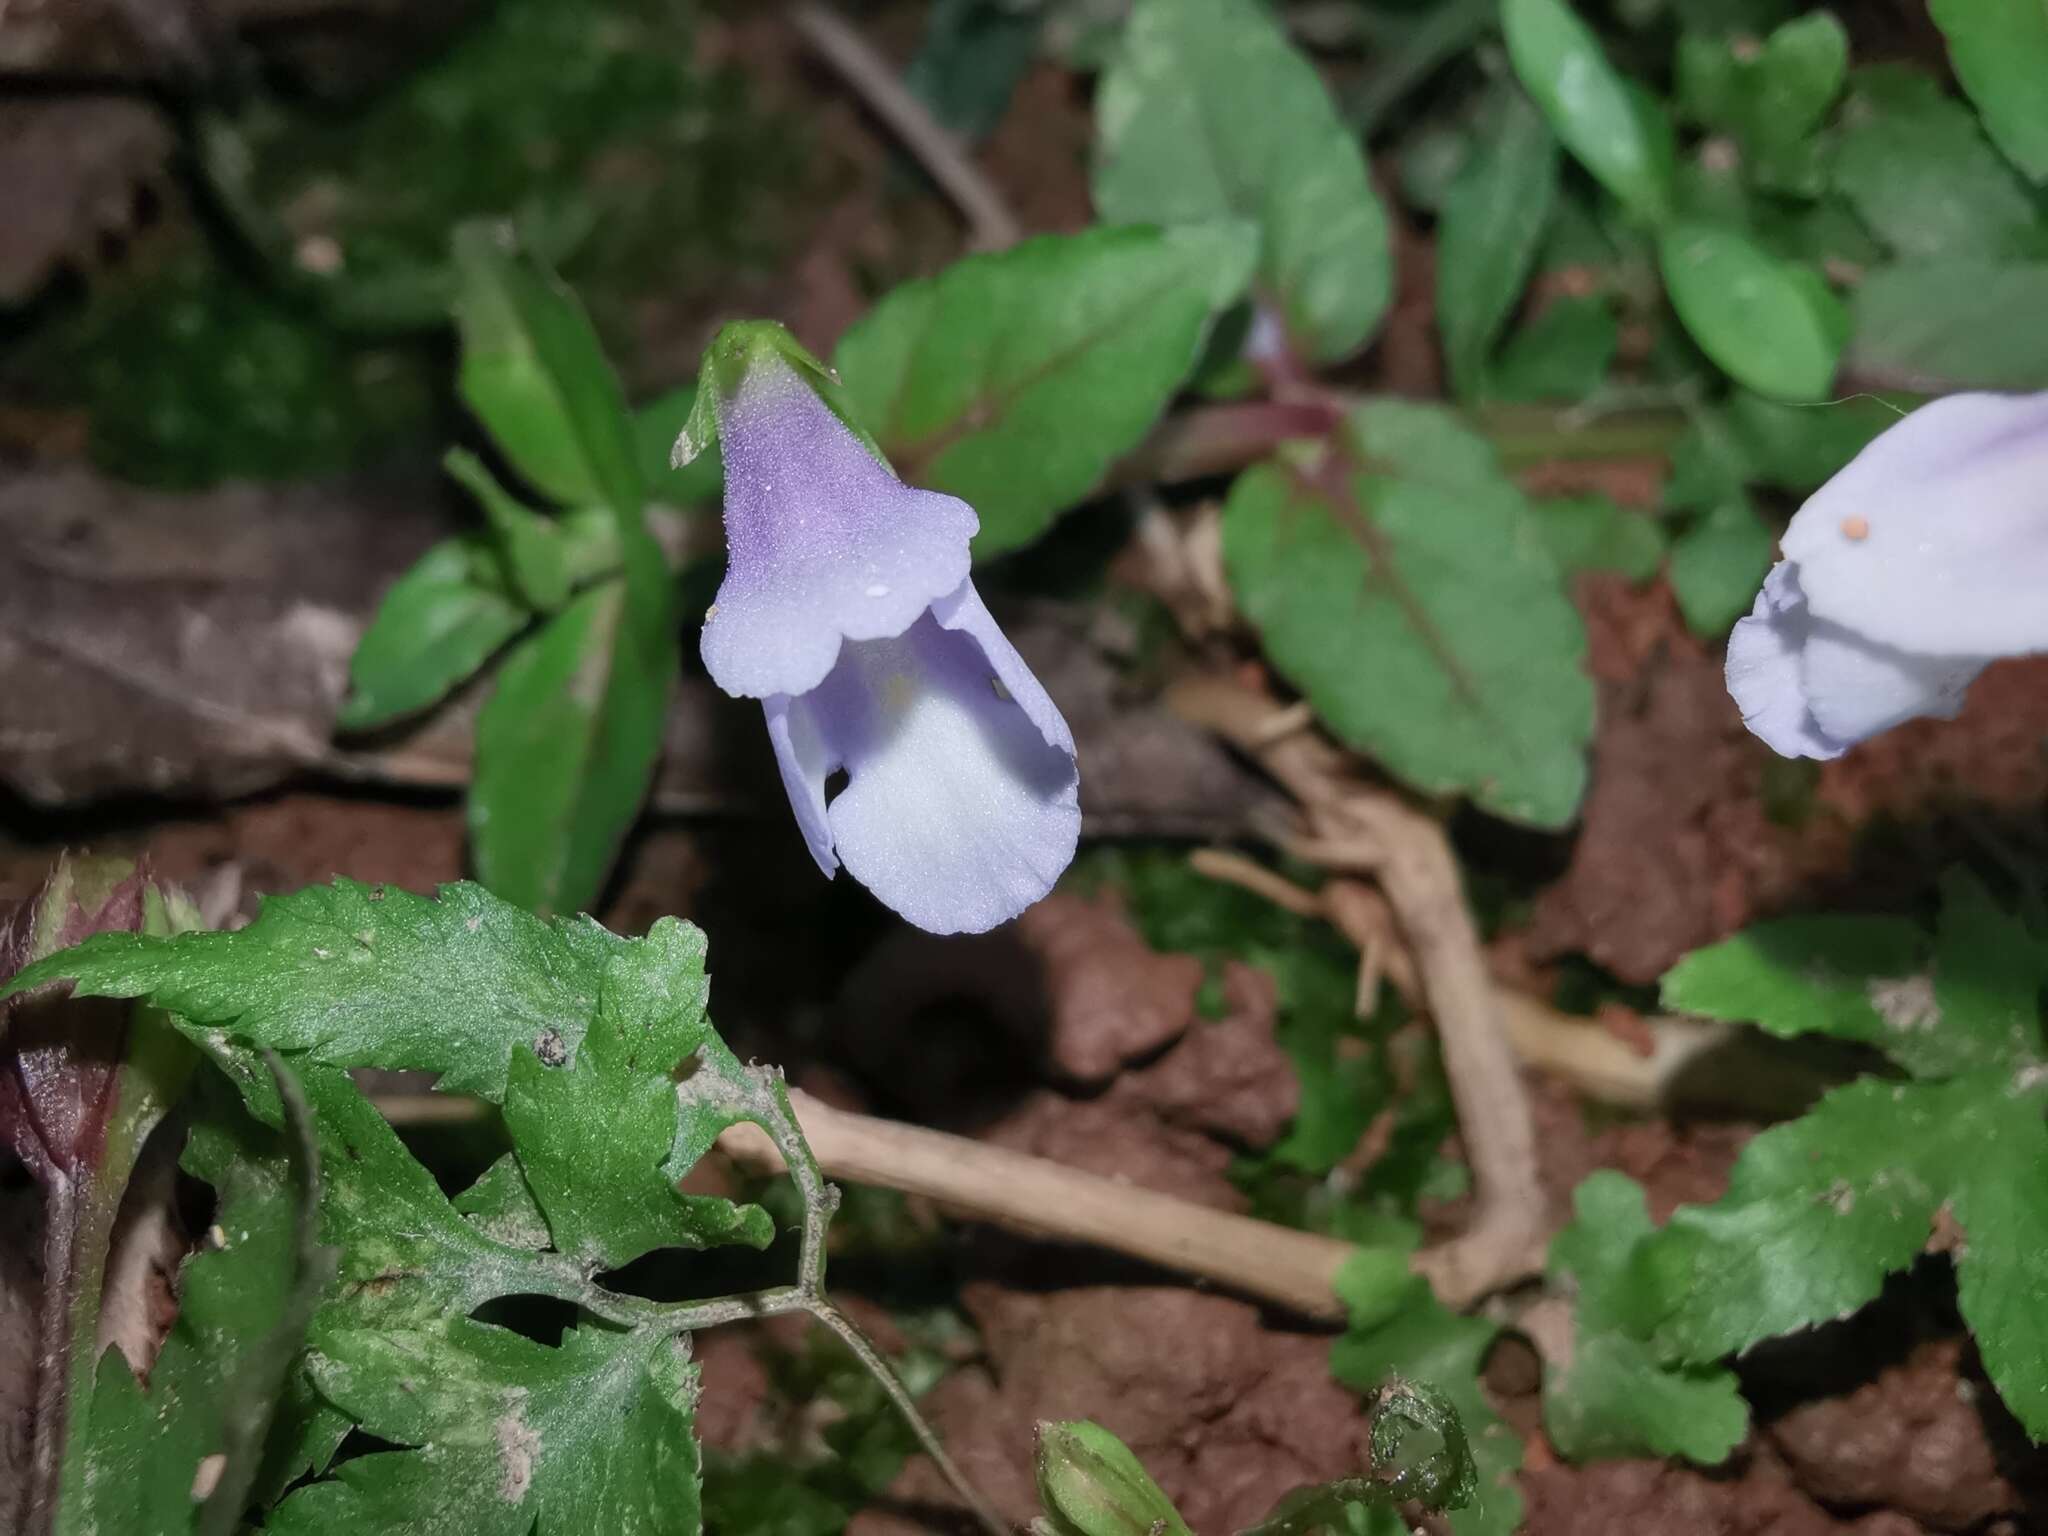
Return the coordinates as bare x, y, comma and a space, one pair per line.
1988, 975
1421, 1340
596, 1434
1015, 380
566, 748
1854, 978
1773, 326
1593, 533
1562, 354
1494, 215
1818, 1212
439, 623
535, 374
1608, 122
1718, 564
1772, 95
361, 975
1614, 1398
1915, 166
1957, 324
2000, 52
502, 1206
595, 1137
1208, 112
2000, 1203
1405, 588
530, 546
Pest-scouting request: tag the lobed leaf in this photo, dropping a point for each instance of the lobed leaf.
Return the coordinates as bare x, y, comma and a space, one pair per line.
1614, 1397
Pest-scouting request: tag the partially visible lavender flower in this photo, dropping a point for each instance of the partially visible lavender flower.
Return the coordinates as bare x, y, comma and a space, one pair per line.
1904, 576
847, 609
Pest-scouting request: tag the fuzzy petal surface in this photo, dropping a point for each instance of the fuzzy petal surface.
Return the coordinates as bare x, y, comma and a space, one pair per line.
1934, 540
823, 544
961, 805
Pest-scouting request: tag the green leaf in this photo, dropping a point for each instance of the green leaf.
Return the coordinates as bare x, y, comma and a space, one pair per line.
1608, 122
243, 1303
594, 1137
1494, 216
1562, 354
536, 376
1988, 975
1768, 97
1818, 1212
1091, 1485
2000, 52
1422, 1340
1592, 533
530, 546
1404, 586
566, 748
1854, 978
439, 623
1798, 448
596, 1434
1917, 169
1962, 324
1773, 326
1998, 1203
501, 1206
972, 58
1614, 1398
1207, 112
1718, 564
1015, 380
358, 975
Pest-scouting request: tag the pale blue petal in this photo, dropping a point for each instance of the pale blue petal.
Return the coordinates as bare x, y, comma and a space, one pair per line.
805, 763
1766, 672
823, 543
1934, 539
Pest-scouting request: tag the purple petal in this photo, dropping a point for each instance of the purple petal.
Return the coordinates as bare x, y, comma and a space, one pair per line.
1767, 675
1814, 689
805, 763
1934, 539
961, 804
823, 543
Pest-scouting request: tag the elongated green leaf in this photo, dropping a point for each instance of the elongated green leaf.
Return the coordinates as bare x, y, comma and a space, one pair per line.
1208, 113
535, 375
1718, 563
1771, 325
1610, 124
1946, 325
1562, 354
1494, 216
1613, 1397
1015, 380
566, 748
439, 623
1917, 169
1406, 589
2000, 52
528, 544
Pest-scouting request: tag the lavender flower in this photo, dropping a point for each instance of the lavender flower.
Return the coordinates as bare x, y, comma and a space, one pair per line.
1904, 576
847, 609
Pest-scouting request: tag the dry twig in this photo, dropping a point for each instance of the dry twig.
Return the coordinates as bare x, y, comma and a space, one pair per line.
991, 224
